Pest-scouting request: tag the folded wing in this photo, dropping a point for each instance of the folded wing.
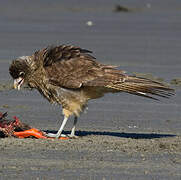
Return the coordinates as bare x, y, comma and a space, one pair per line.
72, 67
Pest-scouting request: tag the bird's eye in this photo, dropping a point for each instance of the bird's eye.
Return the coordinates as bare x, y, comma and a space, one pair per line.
21, 73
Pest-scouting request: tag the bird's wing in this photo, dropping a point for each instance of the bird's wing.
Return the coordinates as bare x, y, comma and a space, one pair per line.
73, 67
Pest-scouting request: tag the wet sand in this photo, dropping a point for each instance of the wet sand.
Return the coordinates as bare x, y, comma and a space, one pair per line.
121, 136
105, 155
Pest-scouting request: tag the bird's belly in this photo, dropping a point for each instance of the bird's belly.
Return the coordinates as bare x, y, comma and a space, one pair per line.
72, 100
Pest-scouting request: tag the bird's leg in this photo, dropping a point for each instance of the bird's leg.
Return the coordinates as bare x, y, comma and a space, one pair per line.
73, 129
59, 133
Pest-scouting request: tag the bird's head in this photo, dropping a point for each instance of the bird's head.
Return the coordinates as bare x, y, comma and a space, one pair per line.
19, 70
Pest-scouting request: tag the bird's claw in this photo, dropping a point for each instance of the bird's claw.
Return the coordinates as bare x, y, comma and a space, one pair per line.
72, 136
52, 135
55, 135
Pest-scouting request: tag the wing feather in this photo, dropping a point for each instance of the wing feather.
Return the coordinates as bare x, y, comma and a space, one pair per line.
73, 67
63, 52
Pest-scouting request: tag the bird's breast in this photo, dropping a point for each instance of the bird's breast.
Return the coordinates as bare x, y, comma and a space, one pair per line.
73, 100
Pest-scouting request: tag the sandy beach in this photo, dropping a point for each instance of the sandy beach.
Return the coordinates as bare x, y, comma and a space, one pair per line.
121, 136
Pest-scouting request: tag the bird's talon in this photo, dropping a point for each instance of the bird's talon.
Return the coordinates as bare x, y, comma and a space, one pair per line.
52, 135
55, 135
72, 136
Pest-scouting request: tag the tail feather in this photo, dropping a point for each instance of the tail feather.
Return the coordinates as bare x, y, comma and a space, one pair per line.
143, 87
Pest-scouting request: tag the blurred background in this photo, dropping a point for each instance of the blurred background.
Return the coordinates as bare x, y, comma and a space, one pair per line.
140, 36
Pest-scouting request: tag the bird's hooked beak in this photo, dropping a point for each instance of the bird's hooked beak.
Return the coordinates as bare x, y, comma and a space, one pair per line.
18, 83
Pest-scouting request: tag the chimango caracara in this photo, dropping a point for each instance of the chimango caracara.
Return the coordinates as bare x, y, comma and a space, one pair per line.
70, 76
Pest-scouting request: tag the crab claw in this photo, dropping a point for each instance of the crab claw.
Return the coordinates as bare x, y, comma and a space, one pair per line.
34, 133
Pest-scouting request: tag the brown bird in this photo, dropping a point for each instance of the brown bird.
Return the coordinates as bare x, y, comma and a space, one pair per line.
70, 76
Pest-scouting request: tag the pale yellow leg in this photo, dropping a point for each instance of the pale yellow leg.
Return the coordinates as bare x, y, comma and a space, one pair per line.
59, 133
73, 129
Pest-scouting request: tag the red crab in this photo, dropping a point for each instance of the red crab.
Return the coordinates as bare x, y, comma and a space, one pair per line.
15, 128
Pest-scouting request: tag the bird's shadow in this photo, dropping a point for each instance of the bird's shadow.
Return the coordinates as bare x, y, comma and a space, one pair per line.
118, 134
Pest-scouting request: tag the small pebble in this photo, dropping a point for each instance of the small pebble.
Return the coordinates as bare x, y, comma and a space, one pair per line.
89, 23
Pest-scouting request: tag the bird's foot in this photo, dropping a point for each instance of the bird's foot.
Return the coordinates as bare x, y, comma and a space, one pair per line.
52, 135
55, 135
72, 136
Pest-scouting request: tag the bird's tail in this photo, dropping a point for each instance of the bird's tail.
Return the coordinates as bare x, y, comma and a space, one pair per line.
143, 87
